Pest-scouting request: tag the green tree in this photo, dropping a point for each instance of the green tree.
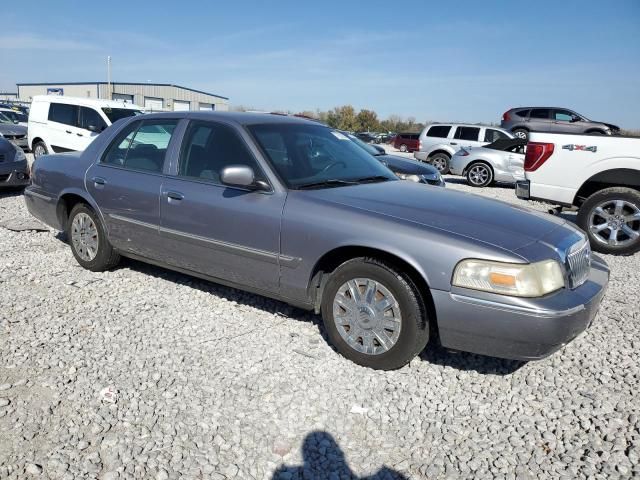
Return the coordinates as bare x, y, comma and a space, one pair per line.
343, 118
368, 120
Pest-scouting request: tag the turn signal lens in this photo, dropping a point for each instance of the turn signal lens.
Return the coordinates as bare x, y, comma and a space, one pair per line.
520, 280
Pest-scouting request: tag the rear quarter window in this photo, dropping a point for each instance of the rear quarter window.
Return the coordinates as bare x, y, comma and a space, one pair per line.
439, 131
523, 113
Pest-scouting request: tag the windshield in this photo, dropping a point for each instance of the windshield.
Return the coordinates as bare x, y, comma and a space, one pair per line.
15, 116
4, 118
115, 114
365, 146
306, 155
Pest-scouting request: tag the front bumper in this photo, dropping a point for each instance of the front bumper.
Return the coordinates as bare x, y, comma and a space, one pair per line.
14, 174
519, 329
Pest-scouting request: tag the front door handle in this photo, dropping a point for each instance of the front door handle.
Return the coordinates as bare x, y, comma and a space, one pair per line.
453, 143
79, 134
176, 196
98, 182
68, 131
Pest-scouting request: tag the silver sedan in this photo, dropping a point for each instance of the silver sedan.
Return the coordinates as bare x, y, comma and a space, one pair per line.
500, 161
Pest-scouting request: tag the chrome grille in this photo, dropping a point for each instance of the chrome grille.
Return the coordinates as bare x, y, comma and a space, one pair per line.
579, 263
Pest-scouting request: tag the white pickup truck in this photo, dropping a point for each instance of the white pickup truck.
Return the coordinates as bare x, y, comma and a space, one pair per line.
600, 175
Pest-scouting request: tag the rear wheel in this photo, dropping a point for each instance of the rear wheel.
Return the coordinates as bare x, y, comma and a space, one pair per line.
611, 218
39, 149
374, 315
521, 133
441, 162
479, 175
88, 241
403, 148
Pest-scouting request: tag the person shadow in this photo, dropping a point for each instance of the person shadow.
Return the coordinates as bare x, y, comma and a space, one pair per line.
324, 459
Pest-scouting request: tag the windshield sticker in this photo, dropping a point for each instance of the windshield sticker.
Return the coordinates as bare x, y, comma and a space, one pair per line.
339, 135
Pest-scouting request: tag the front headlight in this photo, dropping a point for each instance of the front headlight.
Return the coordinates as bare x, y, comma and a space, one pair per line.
19, 156
410, 177
520, 280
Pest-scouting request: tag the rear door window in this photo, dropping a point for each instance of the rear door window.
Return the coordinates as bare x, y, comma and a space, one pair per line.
540, 113
467, 133
63, 113
439, 131
491, 135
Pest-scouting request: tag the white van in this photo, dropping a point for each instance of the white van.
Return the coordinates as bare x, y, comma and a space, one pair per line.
67, 124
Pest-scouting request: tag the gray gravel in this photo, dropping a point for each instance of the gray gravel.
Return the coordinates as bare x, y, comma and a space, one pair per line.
144, 373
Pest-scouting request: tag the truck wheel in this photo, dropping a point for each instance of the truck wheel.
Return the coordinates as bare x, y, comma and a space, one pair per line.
521, 133
88, 240
374, 314
441, 162
611, 218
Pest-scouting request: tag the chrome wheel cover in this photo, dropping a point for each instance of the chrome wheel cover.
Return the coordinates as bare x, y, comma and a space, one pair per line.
440, 163
615, 223
39, 151
479, 175
367, 316
521, 134
84, 237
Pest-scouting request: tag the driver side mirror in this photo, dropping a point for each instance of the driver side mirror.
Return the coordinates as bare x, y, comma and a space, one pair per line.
379, 149
242, 176
93, 128
575, 118
16, 122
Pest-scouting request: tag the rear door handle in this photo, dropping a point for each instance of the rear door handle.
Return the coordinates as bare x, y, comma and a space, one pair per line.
99, 182
453, 143
68, 131
79, 134
176, 196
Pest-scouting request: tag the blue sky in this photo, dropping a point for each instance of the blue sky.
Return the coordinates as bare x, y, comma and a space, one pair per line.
463, 60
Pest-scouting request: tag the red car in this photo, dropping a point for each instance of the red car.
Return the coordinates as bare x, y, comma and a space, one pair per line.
407, 142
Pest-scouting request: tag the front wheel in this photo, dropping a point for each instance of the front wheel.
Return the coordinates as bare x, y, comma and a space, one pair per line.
89, 244
441, 162
611, 218
39, 149
479, 175
374, 315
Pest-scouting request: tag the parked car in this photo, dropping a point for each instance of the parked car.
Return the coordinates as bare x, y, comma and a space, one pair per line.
522, 120
404, 168
14, 169
16, 116
500, 161
440, 141
67, 124
294, 210
598, 175
13, 132
366, 137
406, 142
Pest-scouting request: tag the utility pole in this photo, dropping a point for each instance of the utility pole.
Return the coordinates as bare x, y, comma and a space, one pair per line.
109, 77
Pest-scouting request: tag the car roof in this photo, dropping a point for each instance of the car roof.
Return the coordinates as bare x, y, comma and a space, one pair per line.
528, 108
241, 118
455, 124
93, 102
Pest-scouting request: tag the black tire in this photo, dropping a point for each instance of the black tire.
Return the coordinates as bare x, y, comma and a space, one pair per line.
106, 257
39, 149
473, 180
521, 133
414, 324
403, 148
599, 199
441, 161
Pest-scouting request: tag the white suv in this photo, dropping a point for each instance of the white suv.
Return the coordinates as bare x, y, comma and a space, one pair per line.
67, 124
439, 141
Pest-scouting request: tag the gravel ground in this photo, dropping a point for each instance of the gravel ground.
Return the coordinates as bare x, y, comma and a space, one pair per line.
144, 373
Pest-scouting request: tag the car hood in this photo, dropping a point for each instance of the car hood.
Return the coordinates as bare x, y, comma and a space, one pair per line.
405, 165
12, 129
485, 220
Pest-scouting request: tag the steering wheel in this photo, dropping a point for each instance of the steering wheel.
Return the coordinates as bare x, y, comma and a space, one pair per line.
333, 164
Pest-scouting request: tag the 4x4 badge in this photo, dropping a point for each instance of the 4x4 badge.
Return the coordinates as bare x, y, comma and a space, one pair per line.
583, 148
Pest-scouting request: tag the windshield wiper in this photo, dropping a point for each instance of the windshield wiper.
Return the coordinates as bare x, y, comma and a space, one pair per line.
333, 182
372, 179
